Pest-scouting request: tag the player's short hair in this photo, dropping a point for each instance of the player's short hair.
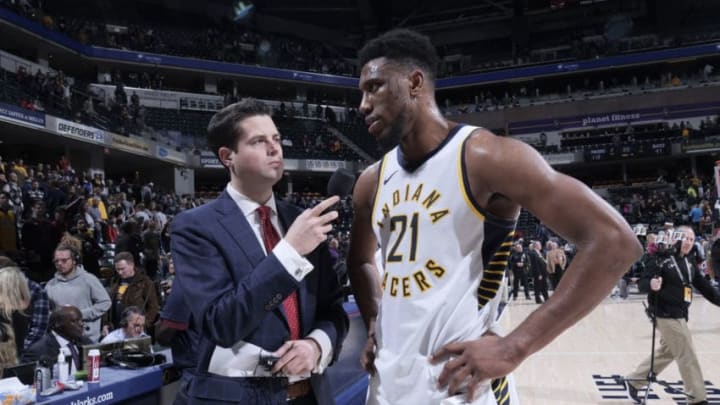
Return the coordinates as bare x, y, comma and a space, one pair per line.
403, 46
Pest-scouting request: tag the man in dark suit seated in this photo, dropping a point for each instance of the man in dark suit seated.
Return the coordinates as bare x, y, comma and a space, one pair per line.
65, 332
256, 274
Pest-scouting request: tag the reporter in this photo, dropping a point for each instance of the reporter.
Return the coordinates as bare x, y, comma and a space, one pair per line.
254, 270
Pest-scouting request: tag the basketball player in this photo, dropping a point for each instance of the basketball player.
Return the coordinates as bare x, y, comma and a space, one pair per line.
442, 206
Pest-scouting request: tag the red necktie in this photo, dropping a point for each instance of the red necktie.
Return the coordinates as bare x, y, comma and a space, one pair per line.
271, 238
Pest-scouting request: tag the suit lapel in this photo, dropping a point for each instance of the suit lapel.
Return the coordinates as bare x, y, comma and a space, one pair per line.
55, 346
237, 226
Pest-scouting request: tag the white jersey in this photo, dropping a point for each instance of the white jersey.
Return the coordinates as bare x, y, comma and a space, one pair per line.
444, 260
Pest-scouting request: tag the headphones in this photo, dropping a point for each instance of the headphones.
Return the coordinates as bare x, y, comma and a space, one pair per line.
127, 312
75, 255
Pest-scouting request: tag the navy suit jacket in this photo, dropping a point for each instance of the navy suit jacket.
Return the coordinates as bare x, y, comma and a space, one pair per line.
235, 292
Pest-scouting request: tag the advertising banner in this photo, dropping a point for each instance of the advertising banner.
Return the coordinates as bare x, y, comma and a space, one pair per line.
80, 131
171, 154
208, 160
13, 113
130, 144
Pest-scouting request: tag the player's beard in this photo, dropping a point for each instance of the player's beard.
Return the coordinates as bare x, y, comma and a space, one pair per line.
392, 139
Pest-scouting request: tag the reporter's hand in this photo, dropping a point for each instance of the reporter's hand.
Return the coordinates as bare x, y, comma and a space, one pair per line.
311, 227
297, 357
475, 361
656, 283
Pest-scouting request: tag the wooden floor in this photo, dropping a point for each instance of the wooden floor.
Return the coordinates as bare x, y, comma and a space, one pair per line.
578, 367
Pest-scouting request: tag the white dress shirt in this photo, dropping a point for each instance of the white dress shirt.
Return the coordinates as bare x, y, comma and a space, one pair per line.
295, 264
65, 348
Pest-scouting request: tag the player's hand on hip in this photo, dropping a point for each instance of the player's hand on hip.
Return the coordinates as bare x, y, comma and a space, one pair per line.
297, 357
473, 362
311, 227
367, 356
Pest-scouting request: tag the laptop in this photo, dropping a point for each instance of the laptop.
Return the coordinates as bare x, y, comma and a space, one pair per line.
143, 344
25, 372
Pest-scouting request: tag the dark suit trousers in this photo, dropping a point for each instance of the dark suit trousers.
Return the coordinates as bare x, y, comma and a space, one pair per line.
518, 277
256, 391
541, 288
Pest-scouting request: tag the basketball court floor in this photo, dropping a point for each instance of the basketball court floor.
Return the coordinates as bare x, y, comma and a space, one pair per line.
579, 366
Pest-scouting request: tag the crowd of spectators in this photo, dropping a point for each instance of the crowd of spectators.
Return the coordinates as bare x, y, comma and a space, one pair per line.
578, 87
42, 203
616, 137
97, 248
221, 40
45, 89
120, 231
656, 206
126, 115
103, 217
684, 199
48, 201
306, 130
225, 40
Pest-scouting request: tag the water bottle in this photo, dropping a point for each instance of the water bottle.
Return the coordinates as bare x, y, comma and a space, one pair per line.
42, 376
62, 367
55, 375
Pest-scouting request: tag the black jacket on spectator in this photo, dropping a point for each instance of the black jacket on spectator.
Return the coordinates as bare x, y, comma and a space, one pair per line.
715, 257
38, 238
676, 274
517, 257
91, 252
55, 198
129, 241
538, 265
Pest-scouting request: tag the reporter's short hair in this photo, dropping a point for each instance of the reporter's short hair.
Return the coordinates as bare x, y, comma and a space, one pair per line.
224, 127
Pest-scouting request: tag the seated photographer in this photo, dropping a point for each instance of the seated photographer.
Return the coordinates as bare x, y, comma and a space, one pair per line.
669, 280
132, 325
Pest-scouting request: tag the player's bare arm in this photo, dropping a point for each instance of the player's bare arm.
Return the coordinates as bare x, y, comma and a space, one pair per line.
362, 271
505, 174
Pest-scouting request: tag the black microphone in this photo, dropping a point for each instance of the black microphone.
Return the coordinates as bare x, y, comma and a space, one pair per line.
341, 183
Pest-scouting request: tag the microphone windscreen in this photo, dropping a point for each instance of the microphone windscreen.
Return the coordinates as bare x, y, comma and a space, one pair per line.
341, 183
